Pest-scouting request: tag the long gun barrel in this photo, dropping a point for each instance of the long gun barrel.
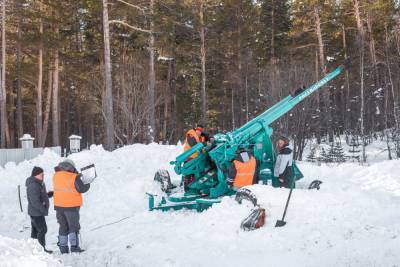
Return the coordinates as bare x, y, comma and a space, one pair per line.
281, 108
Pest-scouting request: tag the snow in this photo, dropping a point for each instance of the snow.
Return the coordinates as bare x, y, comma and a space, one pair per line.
354, 220
164, 58
75, 137
24, 253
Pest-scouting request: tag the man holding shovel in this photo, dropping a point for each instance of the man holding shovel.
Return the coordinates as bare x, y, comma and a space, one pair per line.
283, 171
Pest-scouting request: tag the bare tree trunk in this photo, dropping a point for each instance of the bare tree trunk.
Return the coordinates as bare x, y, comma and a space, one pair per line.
325, 93
47, 107
3, 96
39, 110
233, 108
246, 88
318, 132
173, 92
152, 77
19, 93
372, 47
395, 104
203, 64
360, 29
386, 131
346, 109
240, 68
56, 102
108, 99
167, 101
273, 58
362, 99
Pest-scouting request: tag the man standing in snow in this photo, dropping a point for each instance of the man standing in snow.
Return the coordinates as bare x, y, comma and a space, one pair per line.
68, 189
284, 161
38, 205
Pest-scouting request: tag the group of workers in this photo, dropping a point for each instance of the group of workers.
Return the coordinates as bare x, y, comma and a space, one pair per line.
244, 168
69, 187
67, 195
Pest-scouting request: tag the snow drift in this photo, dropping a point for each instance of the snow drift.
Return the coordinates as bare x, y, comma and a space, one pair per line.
24, 254
354, 220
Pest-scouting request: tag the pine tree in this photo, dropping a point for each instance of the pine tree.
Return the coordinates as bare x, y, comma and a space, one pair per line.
275, 24
338, 153
311, 157
330, 156
323, 156
354, 152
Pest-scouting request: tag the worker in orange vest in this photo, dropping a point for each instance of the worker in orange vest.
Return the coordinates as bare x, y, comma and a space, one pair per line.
243, 171
192, 138
68, 189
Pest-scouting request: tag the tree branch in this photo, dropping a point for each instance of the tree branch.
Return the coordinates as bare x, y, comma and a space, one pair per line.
132, 5
129, 26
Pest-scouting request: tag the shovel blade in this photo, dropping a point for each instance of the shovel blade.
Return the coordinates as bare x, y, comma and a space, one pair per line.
280, 223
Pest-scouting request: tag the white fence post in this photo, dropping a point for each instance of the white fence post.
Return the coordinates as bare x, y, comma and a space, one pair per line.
27, 141
74, 143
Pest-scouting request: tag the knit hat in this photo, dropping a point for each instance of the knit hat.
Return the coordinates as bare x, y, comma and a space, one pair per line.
69, 161
36, 171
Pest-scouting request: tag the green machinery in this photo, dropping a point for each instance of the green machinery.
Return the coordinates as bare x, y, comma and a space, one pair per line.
210, 166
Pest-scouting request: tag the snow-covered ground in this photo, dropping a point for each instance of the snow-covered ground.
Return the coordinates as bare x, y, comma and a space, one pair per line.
24, 254
354, 220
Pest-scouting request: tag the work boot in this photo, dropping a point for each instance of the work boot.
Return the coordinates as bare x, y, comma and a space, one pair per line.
64, 249
76, 249
74, 240
63, 244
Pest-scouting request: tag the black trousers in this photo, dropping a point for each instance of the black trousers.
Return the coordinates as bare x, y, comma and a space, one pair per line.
39, 229
285, 179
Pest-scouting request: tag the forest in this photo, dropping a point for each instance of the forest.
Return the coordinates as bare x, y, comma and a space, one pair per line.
119, 72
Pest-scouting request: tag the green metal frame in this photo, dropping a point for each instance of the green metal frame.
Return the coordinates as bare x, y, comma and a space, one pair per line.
210, 166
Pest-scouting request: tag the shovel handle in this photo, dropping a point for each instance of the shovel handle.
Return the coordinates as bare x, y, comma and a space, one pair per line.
19, 198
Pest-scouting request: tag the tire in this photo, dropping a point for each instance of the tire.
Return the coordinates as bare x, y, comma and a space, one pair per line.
245, 194
315, 184
164, 179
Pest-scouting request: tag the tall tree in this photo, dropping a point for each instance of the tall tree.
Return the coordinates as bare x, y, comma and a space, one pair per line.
3, 96
108, 95
39, 88
20, 129
152, 76
56, 100
361, 38
203, 64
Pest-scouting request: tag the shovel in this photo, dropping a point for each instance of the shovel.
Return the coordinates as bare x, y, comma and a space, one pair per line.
280, 223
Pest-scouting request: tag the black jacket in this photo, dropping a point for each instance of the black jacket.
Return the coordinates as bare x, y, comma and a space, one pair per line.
38, 200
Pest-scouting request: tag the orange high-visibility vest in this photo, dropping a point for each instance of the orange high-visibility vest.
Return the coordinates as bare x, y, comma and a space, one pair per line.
244, 172
65, 194
186, 146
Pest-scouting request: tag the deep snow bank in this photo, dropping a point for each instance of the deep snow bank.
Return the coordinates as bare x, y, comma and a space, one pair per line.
24, 254
354, 220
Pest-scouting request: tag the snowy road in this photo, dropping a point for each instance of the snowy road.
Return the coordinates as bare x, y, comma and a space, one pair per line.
354, 220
